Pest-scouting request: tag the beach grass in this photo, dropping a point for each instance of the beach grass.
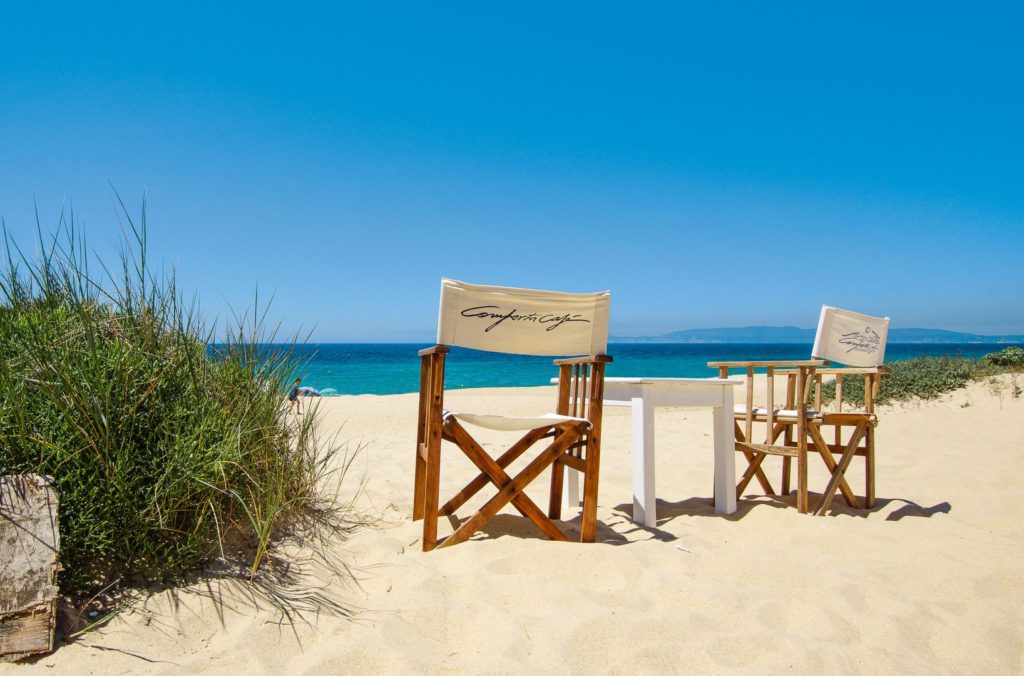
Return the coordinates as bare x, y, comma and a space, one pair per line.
929, 377
168, 448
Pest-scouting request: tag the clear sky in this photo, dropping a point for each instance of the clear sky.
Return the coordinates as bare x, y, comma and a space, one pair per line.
713, 164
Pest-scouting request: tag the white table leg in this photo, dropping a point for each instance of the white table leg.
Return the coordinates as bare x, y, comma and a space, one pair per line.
570, 488
725, 456
644, 510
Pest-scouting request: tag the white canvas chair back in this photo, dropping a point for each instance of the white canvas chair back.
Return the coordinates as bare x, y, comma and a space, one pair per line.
516, 321
850, 338
522, 321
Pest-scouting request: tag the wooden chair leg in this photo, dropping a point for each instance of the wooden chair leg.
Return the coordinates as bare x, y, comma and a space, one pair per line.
421, 451
555, 503
830, 462
431, 489
869, 469
801, 479
787, 439
419, 482
588, 528
840, 470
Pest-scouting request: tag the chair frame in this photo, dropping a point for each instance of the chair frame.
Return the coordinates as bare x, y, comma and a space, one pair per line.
573, 444
776, 425
862, 438
803, 431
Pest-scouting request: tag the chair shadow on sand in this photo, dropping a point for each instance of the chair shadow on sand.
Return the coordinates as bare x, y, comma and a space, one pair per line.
704, 507
520, 527
517, 526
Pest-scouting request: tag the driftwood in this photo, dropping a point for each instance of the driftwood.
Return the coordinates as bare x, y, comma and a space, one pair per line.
29, 545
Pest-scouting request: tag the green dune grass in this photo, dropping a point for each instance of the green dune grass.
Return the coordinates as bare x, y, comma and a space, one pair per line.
929, 377
165, 453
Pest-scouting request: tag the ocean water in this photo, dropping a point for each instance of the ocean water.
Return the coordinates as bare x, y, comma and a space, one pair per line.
393, 368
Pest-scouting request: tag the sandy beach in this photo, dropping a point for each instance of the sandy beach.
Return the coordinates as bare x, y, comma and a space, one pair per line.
930, 581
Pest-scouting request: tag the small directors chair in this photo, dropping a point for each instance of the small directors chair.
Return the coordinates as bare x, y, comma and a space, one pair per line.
795, 428
515, 321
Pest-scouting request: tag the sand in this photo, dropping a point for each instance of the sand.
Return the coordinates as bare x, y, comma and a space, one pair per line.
931, 580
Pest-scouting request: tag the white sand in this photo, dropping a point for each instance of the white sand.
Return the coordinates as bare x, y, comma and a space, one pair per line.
930, 581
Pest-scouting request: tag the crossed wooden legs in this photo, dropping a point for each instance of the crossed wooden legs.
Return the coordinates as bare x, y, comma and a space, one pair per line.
510, 489
862, 430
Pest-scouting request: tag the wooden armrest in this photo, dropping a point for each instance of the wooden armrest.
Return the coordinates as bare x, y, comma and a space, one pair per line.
437, 349
592, 359
844, 371
798, 363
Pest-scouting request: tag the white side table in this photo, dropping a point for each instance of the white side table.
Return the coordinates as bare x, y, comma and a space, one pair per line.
646, 394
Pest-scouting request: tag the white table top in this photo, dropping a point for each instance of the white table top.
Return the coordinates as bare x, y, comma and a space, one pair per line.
644, 380
694, 381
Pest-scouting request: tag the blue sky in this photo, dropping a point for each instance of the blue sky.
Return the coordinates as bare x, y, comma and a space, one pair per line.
713, 164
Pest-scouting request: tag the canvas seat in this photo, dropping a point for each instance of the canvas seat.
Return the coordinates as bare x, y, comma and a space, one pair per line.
795, 427
760, 412
511, 423
514, 321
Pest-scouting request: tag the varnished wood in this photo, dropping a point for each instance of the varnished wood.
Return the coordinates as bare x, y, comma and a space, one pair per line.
503, 461
869, 468
432, 469
557, 486
802, 385
840, 470
762, 478
574, 446
826, 455
748, 430
578, 464
421, 435
793, 363
513, 487
595, 412
786, 430
835, 370
592, 359
840, 417
564, 387
499, 478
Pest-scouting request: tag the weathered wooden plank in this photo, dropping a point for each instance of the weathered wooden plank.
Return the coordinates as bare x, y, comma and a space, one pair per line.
29, 547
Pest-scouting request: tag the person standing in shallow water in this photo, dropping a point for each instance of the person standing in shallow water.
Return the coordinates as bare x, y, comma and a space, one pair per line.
293, 398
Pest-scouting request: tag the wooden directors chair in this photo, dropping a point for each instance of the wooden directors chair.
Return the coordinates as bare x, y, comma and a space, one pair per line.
843, 336
515, 321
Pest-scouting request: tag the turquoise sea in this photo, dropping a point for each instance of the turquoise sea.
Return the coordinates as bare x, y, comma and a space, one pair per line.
392, 368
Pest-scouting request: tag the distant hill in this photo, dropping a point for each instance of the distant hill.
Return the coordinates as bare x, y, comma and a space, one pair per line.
793, 334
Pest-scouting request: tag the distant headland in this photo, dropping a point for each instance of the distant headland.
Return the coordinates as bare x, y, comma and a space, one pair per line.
793, 334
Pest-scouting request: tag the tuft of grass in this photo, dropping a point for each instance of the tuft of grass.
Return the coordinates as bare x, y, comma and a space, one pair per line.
925, 377
168, 449
1010, 358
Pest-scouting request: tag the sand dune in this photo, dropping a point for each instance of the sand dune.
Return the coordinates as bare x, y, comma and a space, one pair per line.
932, 580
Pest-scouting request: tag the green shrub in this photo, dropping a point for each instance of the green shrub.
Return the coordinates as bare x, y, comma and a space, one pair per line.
922, 377
165, 452
1010, 357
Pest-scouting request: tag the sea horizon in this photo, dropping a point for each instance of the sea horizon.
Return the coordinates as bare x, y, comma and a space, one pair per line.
380, 368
